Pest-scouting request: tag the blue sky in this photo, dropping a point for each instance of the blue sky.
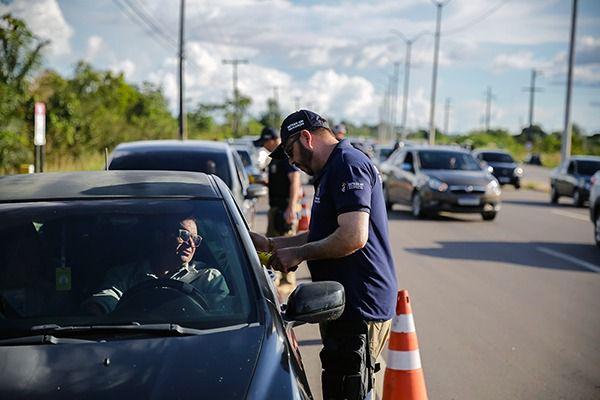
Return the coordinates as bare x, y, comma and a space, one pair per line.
337, 56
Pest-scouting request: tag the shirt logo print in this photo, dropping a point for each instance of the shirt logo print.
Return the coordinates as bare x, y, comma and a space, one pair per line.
352, 186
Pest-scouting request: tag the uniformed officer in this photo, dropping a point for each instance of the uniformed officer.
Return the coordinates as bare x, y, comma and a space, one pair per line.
284, 194
347, 242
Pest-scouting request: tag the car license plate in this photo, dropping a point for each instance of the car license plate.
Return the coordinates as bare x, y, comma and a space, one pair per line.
468, 201
504, 179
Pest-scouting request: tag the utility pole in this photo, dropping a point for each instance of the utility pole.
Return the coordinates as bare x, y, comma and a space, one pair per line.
438, 25
566, 137
182, 124
276, 95
236, 93
488, 108
446, 115
395, 87
531, 89
409, 43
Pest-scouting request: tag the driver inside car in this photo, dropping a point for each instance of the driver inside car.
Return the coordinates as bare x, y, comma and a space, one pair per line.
175, 251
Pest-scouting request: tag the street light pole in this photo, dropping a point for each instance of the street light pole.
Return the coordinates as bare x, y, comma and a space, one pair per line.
236, 102
566, 137
439, 6
182, 130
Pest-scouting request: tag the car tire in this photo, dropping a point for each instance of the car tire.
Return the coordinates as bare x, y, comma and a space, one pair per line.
517, 185
386, 197
597, 230
417, 206
553, 195
577, 198
488, 215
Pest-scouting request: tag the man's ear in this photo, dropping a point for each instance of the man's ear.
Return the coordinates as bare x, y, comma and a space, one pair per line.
308, 137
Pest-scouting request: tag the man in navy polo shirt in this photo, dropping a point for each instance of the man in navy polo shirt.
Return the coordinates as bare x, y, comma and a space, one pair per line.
347, 242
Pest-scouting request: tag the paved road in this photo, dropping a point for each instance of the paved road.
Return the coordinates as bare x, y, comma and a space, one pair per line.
504, 309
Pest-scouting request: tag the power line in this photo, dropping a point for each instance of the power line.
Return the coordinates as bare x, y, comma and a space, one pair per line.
477, 20
165, 42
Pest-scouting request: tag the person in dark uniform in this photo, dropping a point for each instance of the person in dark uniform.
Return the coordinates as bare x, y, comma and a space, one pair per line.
284, 194
347, 242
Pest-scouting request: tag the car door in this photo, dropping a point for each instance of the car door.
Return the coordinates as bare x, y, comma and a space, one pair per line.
570, 179
407, 177
391, 170
247, 205
562, 178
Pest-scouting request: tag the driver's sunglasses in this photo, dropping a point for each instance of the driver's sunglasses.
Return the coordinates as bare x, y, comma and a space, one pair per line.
288, 149
188, 237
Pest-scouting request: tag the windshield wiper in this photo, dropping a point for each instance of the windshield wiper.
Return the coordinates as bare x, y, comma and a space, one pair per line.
134, 327
40, 339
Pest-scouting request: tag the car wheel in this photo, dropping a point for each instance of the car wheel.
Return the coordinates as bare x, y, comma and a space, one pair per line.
386, 196
553, 195
597, 230
488, 215
577, 198
517, 185
417, 206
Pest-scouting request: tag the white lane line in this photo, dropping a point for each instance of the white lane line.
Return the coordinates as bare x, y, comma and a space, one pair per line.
569, 258
572, 215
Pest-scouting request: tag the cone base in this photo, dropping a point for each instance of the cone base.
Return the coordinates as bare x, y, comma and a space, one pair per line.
400, 385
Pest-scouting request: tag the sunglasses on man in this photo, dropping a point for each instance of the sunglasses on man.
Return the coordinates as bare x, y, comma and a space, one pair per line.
185, 236
288, 148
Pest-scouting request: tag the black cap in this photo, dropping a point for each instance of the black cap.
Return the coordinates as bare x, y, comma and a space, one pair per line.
267, 133
294, 123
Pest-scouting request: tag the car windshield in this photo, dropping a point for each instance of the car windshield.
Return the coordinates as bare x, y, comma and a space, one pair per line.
245, 156
196, 161
452, 160
497, 157
587, 167
385, 152
105, 262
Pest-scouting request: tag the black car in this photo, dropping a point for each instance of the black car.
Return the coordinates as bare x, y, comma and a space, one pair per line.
573, 179
63, 236
433, 179
255, 175
195, 156
503, 166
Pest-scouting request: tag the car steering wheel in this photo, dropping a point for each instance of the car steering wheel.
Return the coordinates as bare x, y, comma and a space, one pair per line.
146, 288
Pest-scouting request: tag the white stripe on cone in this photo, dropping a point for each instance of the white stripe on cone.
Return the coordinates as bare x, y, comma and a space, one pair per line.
403, 323
403, 360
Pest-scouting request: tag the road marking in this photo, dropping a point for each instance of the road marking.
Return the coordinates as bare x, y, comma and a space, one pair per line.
571, 215
572, 259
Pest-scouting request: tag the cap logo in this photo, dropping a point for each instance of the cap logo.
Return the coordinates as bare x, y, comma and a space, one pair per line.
295, 125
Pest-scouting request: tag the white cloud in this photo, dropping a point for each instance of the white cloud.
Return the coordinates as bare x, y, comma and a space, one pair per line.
95, 44
45, 19
127, 67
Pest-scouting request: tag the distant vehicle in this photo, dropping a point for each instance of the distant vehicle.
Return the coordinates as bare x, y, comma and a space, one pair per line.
255, 175
433, 179
573, 179
504, 167
533, 159
381, 152
261, 154
595, 205
165, 336
195, 156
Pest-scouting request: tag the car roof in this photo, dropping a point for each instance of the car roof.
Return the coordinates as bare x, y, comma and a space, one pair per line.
585, 158
436, 148
107, 184
491, 151
169, 145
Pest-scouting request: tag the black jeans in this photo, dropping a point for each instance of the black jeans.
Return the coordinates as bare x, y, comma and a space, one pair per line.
345, 359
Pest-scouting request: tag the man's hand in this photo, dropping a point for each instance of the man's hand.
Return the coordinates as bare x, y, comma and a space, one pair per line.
286, 259
289, 215
261, 243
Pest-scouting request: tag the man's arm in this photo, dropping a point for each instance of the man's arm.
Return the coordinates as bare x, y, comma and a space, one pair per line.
294, 196
351, 235
261, 242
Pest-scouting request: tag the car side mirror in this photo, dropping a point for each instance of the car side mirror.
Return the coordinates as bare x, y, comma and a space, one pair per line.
256, 190
315, 302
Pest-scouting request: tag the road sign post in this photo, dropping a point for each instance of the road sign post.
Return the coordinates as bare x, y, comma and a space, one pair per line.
39, 136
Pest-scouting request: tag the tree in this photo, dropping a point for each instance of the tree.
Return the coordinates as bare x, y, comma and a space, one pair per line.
20, 56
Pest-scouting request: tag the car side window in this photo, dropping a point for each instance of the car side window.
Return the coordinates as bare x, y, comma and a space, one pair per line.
409, 162
571, 168
240, 171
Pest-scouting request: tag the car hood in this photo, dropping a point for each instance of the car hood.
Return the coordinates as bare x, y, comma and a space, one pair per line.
453, 177
212, 365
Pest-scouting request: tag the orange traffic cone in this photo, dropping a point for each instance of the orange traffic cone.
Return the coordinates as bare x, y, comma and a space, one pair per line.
304, 221
404, 377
